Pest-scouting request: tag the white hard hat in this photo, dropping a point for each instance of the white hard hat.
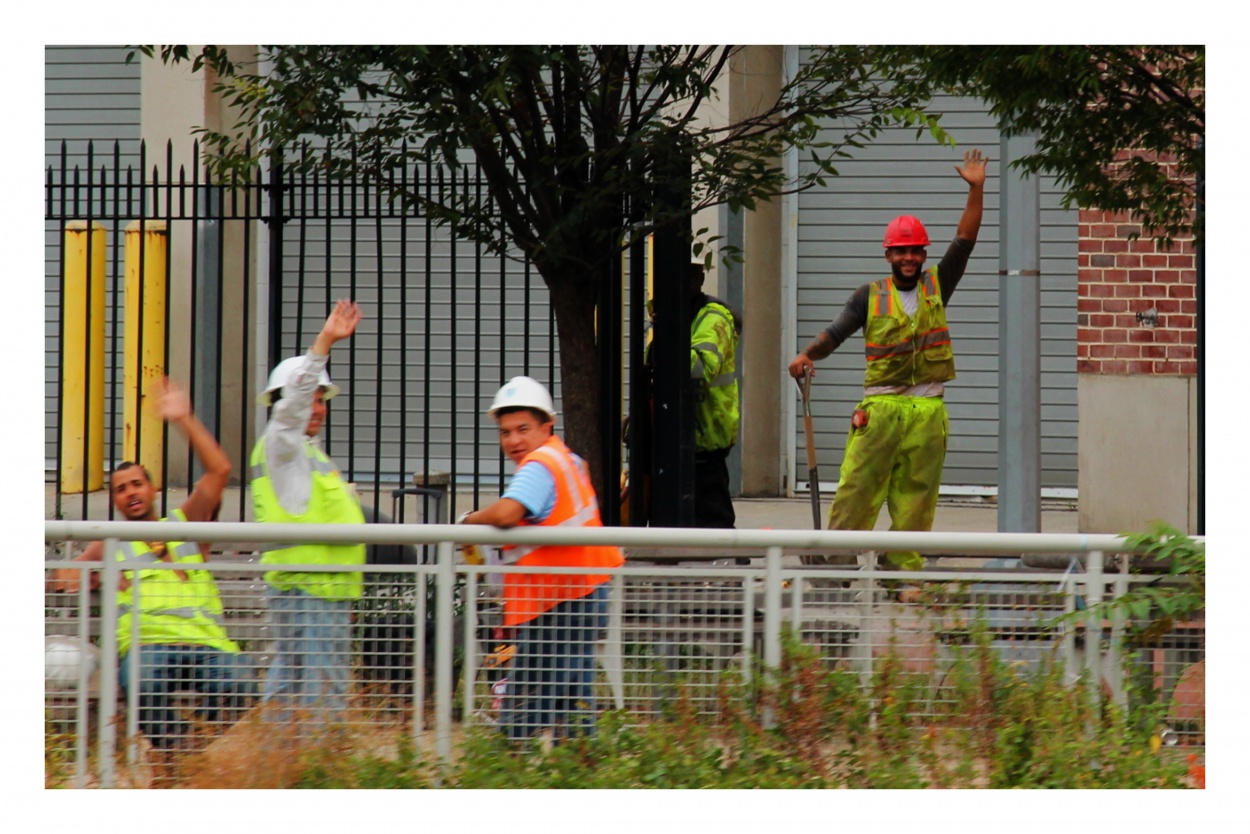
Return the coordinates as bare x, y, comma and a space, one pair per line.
64, 659
523, 392
279, 375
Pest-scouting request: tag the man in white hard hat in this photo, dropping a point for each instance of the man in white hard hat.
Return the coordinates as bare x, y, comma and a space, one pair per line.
559, 617
182, 642
294, 481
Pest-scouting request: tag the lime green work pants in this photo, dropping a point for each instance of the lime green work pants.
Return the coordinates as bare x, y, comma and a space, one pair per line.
896, 458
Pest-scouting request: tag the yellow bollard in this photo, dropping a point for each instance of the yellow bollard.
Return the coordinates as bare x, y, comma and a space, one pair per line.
82, 365
142, 432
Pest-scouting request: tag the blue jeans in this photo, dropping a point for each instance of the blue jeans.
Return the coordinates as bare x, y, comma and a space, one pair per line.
551, 681
312, 656
164, 669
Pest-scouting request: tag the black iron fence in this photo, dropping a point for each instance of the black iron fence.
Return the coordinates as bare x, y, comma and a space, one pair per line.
251, 269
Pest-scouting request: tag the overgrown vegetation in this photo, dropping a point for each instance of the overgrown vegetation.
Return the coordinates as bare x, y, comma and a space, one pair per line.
1157, 606
995, 725
975, 721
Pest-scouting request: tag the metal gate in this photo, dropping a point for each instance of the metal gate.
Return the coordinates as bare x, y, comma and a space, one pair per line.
446, 323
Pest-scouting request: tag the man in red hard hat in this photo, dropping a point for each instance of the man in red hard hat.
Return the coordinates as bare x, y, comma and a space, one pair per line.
897, 442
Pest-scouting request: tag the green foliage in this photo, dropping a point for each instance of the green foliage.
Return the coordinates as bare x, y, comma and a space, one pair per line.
567, 137
326, 768
1120, 127
1152, 609
582, 150
995, 725
59, 752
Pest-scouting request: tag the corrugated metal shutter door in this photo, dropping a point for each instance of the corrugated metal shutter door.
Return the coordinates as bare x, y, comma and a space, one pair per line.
839, 248
90, 94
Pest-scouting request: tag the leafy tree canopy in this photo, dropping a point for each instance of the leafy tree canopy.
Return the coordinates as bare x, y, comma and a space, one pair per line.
573, 143
1120, 127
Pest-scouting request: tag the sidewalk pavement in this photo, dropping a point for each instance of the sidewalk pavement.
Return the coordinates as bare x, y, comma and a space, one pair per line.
953, 515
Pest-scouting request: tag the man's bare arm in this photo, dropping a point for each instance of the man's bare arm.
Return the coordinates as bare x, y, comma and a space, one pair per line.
505, 512
67, 580
174, 406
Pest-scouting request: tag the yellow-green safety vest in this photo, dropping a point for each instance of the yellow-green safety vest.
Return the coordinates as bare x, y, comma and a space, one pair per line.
902, 349
171, 610
330, 502
713, 358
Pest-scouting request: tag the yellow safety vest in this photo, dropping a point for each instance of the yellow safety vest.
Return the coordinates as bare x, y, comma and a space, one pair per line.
712, 335
171, 610
905, 350
331, 502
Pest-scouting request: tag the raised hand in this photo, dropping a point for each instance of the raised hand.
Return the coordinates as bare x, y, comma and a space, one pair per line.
342, 321
973, 171
172, 403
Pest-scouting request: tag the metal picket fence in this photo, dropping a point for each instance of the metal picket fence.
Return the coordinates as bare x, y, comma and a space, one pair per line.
428, 652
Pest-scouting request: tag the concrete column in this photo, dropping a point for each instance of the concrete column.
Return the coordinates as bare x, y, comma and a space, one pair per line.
175, 101
756, 78
1019, 341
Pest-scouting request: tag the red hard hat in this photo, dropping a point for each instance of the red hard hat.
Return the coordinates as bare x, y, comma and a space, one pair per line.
906, 231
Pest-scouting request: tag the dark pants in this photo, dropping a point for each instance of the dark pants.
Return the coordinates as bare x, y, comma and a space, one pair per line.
551, 682
164, 669
713, 505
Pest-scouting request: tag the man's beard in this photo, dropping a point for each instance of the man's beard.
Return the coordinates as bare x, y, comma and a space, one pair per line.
902, 282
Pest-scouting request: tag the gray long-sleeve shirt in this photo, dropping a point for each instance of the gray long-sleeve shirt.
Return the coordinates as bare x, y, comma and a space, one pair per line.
290, 470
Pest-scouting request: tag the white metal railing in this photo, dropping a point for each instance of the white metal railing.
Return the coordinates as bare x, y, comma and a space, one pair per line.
671, 627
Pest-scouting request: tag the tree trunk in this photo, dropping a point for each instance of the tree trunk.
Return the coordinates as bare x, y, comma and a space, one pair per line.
573, 297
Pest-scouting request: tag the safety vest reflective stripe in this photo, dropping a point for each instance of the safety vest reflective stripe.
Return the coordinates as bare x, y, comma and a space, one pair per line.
930, 283
936, 336
710, 311
179, 550
325, 467
885, 301
269, 547
697, 371
711, 347
128, 551
188, 612
874, 352
583, 511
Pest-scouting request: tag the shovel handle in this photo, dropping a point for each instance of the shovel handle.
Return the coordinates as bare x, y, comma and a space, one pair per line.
809, 432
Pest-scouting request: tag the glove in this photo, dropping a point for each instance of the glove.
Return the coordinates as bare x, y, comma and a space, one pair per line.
472, 553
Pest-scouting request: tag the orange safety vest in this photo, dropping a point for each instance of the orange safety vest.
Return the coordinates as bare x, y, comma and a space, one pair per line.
527, 596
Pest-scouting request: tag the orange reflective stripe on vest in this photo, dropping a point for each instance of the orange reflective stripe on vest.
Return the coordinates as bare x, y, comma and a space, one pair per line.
527, 596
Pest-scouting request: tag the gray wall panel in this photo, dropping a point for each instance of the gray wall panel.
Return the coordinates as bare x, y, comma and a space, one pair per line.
90, 94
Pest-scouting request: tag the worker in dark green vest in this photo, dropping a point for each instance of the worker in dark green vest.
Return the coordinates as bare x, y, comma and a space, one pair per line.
182, 643
294, 481
897, 441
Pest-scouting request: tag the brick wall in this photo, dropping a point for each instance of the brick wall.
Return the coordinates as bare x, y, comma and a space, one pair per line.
1118, 279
